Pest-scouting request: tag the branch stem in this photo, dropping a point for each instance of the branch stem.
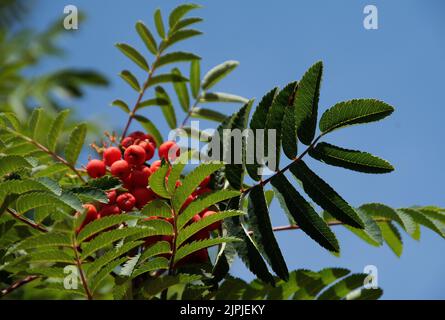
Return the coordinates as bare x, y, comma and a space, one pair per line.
51, 153
81, 273
140, 96
266, 181
27, 221
329, 223
18, 284
190, 111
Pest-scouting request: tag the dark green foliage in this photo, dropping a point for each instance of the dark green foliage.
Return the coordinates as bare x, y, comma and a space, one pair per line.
306, 103
304, 214
262, 232
350, 159
43, 188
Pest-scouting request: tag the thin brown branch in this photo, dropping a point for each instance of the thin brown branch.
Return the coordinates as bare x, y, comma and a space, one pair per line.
190, 111
18, 284
266, 181
27, 221
329, 223
81, 273
51, 153
140, 96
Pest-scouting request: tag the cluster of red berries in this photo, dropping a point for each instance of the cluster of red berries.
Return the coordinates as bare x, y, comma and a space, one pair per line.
129, 163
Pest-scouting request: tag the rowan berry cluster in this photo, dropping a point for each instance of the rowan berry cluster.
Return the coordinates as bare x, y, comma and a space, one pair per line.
130, 163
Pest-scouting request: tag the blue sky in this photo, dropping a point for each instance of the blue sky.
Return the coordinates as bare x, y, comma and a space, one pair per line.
401, 63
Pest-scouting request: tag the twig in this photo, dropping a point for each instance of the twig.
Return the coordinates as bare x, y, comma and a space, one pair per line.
27, 221
140, 96
18, 284
51, 153
329, 223
190, 111
264, 182
82, 275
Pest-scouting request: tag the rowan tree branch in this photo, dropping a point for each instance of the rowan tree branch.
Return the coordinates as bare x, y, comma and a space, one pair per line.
54, 155
141, 95
266, 181
190, 111
329, 223
81, 273
18, 284
27, 221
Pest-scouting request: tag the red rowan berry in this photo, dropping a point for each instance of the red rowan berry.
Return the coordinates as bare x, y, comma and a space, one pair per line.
120, 169
169, 150
96, 168
111, 155
108, 210
189, 200
111, 195
149, 149
205, 182
139, 177
213, 226
155, 166
126, 142
126, 201
151, 139
135, 155
137, 135
143, 196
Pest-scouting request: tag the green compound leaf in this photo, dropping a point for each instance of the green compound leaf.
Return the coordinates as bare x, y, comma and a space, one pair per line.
263, 235
147, 37
150, 127
175, 57
191, 182
217, 73
350, 159
306, 103
134, 55
56, 129
157, 208
131, 80
258, 122
157, 181
352, 112
202, 203
303, 214
195, 77
325, 196
282, 101
75, 143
